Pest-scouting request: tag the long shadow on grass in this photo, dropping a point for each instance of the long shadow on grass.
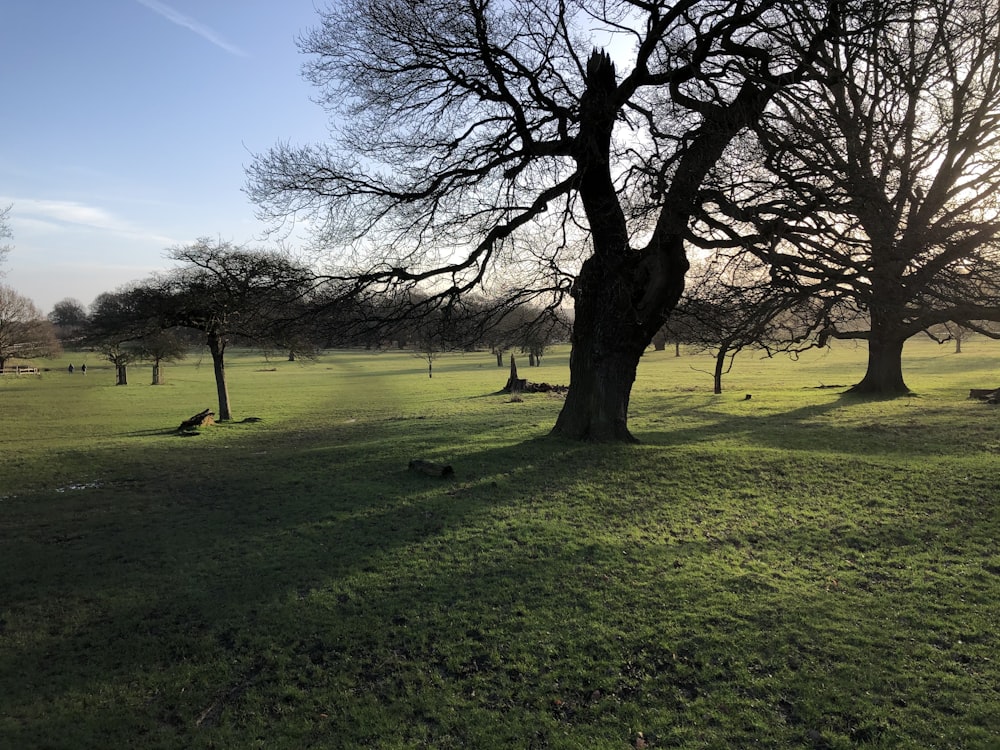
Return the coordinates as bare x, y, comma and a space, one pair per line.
824, 427
305, 588
154, 583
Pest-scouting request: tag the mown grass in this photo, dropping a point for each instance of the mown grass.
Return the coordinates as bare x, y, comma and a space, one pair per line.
801, 569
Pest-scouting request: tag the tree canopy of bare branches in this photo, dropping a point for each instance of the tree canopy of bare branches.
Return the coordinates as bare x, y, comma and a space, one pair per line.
880, 193
24, 331
228, 291
481, 139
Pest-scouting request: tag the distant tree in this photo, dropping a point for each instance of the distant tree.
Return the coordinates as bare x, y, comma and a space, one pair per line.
159, 346
5, 234
536, 329
527, 327
229, 292
681, 328
428, 348
116, 327
730, 306
69, 316
24, 331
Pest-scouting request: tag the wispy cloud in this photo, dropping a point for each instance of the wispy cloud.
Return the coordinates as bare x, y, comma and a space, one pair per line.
61, 216
175, 16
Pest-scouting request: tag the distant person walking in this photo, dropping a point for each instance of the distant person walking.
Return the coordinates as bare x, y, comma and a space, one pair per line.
70, 369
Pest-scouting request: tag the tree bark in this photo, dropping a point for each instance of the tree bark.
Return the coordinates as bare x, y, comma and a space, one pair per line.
606, 349
218, 349
157, 374
121, 375
602, 371
720, 366
884, 375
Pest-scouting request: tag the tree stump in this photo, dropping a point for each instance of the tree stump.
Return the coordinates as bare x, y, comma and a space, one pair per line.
514, 383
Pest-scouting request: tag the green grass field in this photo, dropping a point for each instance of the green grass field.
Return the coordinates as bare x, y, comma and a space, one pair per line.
798, 570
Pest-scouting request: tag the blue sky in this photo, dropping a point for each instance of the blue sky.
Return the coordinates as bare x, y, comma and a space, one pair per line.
125, 127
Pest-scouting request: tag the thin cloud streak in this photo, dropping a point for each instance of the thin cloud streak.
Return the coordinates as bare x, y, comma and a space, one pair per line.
175, 16
61, 216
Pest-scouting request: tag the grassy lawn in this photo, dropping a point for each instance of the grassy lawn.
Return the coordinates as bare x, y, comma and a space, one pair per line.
801, 569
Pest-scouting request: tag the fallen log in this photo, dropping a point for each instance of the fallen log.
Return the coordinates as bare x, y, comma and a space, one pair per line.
989, 395
430, 468
198, 420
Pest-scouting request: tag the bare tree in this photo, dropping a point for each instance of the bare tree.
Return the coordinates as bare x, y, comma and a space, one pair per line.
228, 292
159, 346
116, 326
730, 306
881, 188
24, 331
471, 129
5, 234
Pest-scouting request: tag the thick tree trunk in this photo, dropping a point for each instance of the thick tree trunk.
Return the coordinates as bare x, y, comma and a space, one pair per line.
157, 373
621, 294
596, 405
218, 349
885, 367
121, 374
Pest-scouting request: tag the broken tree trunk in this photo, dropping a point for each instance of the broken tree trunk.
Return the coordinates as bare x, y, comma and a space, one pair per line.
198, 420
514, 383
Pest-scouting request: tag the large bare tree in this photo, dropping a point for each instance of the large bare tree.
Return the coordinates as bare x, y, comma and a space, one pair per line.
24, 331
895, 158
482, 138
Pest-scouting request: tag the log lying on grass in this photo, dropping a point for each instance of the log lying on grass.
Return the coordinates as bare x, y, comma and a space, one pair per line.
989, 395
198, 420
430, 468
